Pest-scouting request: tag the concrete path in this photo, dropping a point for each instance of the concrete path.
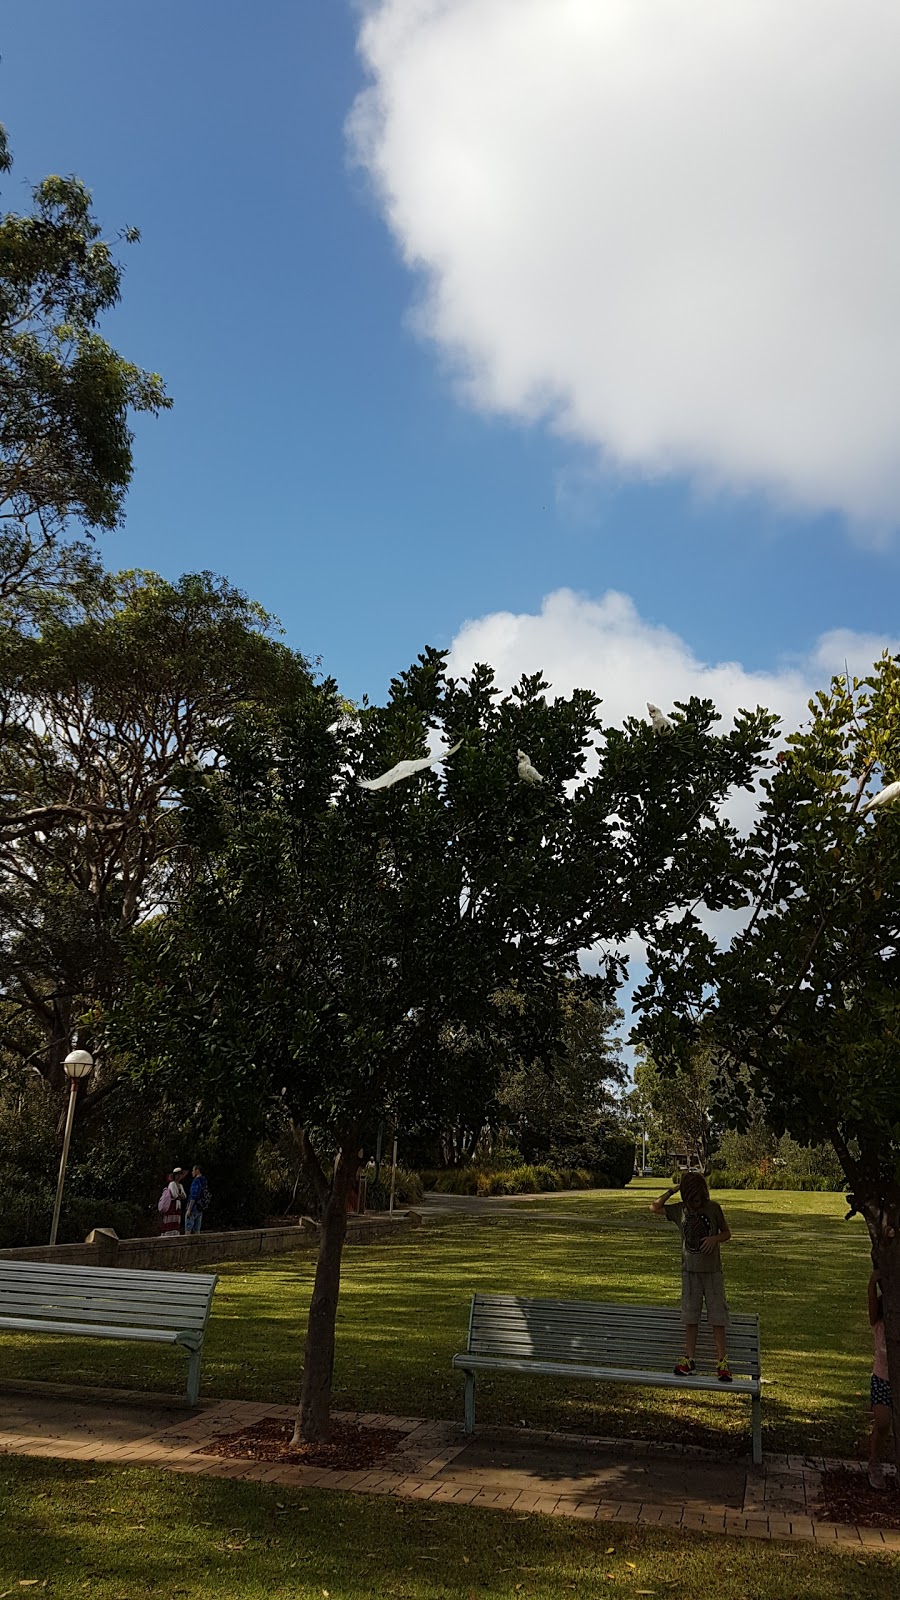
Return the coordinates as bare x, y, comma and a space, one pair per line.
608, 1480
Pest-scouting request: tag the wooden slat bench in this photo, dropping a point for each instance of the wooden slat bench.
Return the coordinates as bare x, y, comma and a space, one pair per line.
109, 1303
612, 1344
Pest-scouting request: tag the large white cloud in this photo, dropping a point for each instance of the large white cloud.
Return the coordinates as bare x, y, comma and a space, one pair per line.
606, 645
669, 225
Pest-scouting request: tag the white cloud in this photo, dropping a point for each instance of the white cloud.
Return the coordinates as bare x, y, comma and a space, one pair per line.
671, 226
607, 646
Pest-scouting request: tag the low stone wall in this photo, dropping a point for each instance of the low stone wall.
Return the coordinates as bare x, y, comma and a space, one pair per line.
187, 1252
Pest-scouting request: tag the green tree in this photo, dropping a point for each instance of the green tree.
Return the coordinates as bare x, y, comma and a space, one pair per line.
101, 710
563, 1111
804, 1005
65, 394
677, 1106
335, 937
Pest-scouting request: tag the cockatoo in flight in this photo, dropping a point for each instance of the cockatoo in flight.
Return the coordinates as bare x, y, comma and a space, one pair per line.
661, 723
882, 798
527, 772
406, 769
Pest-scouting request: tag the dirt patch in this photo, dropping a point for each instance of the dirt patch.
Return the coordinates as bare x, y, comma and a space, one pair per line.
849, 1497
351, 1447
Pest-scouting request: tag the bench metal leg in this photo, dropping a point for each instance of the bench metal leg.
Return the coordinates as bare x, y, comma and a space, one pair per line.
470, 1402
757, 1430
193, 1382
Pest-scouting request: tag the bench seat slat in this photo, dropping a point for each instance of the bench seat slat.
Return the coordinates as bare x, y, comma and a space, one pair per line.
91, 1330
156, 1316
174, 1282
650, 1380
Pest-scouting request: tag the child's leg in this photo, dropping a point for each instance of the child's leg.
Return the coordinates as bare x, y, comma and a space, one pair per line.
881, 1428
720, 1335
690, 1339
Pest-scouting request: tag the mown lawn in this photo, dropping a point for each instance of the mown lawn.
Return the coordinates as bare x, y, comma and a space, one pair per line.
120, 1534
404, 1311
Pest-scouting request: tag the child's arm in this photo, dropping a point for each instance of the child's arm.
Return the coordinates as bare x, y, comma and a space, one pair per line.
873, 1300
658, 1206
722, 1237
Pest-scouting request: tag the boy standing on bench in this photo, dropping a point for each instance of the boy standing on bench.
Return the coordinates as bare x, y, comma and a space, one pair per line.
703, 1229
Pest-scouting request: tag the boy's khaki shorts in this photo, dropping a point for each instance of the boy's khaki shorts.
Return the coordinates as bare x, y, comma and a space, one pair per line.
699, 1286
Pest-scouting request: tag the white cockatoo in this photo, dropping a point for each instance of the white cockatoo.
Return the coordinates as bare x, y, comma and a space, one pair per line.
882, 798
406, 769
527, 772
661, 723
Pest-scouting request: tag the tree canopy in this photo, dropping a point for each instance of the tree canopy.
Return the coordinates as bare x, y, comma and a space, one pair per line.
803, 1005
334, 941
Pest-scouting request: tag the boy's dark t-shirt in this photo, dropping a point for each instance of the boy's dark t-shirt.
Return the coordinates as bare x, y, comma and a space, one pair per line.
695, 1226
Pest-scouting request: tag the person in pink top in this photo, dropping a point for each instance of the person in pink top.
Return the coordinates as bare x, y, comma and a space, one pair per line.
879, 1387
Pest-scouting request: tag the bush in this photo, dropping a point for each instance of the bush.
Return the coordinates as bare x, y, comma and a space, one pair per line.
26, 1218
408, 1189
524, 1179
616, 1157
753, 1178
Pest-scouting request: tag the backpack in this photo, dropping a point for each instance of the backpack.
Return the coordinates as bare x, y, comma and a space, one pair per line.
205, 1198
165, 1201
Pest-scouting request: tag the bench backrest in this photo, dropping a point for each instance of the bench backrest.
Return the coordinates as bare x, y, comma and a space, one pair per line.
178, 1302
588, 1333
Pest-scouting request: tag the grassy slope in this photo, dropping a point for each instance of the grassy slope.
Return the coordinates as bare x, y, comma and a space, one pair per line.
404, 1310
120, 1534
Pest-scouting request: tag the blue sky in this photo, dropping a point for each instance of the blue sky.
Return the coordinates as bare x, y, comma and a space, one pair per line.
320, 452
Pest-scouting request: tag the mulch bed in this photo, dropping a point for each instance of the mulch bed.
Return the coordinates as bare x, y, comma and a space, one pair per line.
350, 1448
849, 1497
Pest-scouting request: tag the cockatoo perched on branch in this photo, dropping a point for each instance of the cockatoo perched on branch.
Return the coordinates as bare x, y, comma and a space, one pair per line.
884, 797
527, 772
406, 769
661, 723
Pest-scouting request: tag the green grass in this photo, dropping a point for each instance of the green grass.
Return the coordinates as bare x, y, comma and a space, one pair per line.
404, 1309
117, 1534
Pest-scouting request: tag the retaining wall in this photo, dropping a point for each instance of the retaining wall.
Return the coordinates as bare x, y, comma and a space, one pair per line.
186, 1252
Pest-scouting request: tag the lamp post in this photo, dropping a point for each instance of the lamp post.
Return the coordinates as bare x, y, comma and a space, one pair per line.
78, 1064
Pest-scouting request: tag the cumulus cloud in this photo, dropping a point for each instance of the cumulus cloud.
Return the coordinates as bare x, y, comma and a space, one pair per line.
669, 226
606, 645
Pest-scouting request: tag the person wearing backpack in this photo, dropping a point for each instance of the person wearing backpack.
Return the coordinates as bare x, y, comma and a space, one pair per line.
170, 1202
198, 1200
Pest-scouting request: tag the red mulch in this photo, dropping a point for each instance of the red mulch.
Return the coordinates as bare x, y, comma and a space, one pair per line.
350, 1448
849, 1497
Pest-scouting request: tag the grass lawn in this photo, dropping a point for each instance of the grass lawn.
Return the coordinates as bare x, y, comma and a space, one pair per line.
123, 1534
404, 1310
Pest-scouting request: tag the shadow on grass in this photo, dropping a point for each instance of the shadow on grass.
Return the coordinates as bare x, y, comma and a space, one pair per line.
126, 1533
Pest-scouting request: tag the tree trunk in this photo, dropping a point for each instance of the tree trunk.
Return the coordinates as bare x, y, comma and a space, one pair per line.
314, 1416
888, 1252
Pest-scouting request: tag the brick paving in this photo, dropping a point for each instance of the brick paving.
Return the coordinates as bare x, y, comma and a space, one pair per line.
570, 1475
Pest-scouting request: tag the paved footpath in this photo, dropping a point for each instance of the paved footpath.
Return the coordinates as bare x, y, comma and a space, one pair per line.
607, 1480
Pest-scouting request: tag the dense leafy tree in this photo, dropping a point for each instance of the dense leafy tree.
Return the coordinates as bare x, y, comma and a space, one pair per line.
100, 711
804, 1005
65, 394
565, 1109
677, 1107
336, 938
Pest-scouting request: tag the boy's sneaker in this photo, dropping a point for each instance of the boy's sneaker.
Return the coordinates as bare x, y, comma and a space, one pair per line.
723, 1371
876, 1475
685, 1367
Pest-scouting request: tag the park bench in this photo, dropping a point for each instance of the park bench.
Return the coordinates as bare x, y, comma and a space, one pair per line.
612, 1344
109, 1303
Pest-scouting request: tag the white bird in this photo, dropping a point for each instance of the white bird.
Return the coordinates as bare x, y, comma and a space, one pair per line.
406, 769
527, 772
661, 723
882, 798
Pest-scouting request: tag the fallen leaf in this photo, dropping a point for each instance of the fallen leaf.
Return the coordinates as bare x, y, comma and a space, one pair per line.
631, 1565
611, 1551
466, 1560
